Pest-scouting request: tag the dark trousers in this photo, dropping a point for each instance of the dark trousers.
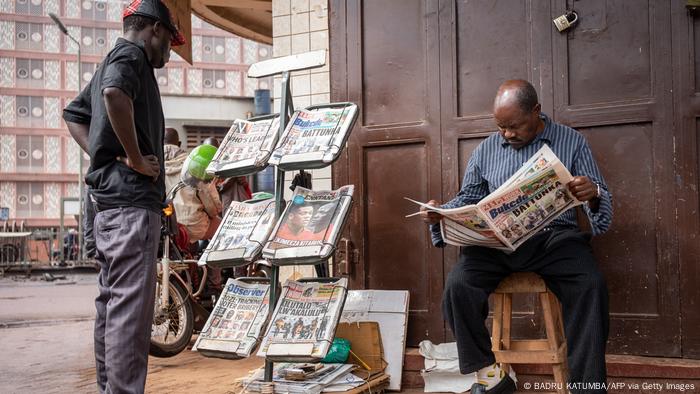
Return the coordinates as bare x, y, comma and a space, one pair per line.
127, 244
565, 261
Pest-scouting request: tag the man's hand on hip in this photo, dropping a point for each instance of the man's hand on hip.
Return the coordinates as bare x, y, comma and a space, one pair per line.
146, 165
430, 217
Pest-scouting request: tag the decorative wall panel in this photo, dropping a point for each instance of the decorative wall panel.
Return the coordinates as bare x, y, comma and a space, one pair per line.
51, 6
52, 74
71, 76
7, 72
7, 35
69, 45
233, 83
250, 54
52, 112
194, 81
53, 154
72, 156
233, 50
72, 8
52, 199
8, 193
176, 80
8, 147
52, 39
7, 6
7, 104
197, 48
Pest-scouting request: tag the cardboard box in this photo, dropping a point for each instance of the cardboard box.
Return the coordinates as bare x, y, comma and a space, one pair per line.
366, 344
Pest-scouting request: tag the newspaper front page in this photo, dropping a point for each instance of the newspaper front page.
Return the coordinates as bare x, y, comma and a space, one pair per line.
534, 196
314, 137
241, 234
304, 321
234, 326
246, 147
310, 225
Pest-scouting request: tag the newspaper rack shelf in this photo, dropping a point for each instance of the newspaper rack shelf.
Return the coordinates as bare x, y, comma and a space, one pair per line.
238, 240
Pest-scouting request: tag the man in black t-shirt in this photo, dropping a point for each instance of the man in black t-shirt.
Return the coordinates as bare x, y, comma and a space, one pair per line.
118, 120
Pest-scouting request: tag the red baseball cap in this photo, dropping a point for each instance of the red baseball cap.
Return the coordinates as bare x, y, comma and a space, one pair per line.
155, 9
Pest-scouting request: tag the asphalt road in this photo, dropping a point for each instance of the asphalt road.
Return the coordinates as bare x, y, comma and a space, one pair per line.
46, 330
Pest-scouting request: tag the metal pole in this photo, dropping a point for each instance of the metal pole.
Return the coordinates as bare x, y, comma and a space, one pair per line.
285, 107
81, 237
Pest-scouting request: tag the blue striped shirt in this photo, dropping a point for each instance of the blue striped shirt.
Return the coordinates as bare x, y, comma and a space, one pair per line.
494, 161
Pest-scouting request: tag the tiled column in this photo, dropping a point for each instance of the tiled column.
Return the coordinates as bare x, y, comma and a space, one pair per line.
300, 26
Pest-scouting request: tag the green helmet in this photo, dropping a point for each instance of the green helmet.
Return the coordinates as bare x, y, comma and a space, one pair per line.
195, 167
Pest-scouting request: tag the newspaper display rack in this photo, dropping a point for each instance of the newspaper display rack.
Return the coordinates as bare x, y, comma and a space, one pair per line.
284, 66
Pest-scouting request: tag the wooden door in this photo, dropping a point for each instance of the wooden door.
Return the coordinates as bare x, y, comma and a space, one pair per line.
385, 58
686, 93
425, 73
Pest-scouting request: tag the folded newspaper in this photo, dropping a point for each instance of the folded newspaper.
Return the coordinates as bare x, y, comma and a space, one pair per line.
327, 375
246, 147
241, 234
315, 136
310, 226
234, 326
534, 196
303, 324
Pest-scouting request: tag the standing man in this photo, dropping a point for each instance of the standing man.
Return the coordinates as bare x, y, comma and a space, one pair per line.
118, 120
560, 253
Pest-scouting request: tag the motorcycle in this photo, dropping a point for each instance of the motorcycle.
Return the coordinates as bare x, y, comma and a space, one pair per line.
184, 298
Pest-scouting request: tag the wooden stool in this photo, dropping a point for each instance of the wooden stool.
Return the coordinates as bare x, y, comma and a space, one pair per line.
532, 351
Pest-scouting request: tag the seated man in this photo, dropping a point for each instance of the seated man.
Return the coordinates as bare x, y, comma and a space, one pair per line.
560, 253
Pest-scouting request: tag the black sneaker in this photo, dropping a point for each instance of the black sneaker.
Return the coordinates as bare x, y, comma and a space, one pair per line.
505, 386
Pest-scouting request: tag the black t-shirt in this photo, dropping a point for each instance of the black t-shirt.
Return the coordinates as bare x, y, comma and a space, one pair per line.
112, 183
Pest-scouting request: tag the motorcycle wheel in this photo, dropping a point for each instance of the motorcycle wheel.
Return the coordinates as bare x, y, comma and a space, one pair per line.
172, 329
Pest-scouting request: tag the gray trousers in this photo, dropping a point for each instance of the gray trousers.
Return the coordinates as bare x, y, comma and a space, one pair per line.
565, 261
127, 245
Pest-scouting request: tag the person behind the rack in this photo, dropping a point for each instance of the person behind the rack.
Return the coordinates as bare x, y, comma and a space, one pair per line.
560, 252
197, 204
174, 158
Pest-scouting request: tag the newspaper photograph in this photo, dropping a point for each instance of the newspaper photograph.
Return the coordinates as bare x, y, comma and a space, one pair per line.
314, 136
534, 196
246, 147
241, 234
310, 225
234, 326
303, 324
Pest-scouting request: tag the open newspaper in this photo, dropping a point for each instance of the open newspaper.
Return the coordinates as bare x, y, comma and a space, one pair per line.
234, 326
303, 324
314, 136
310, 226
534, 196
241, 234
246, 147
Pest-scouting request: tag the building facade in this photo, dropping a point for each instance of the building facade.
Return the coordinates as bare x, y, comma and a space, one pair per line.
39, 75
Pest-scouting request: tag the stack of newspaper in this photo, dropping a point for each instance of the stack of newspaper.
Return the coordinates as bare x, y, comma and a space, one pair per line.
310, 226
327, 376
314, 136
234, 326
246, 147
534, 196
241, 234
303, 324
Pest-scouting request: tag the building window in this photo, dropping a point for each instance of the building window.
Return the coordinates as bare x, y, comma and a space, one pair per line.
29, 7
213, 49
197, 134
94, 41
29, 36
30, 153
30, 73
214, 82
30, 111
